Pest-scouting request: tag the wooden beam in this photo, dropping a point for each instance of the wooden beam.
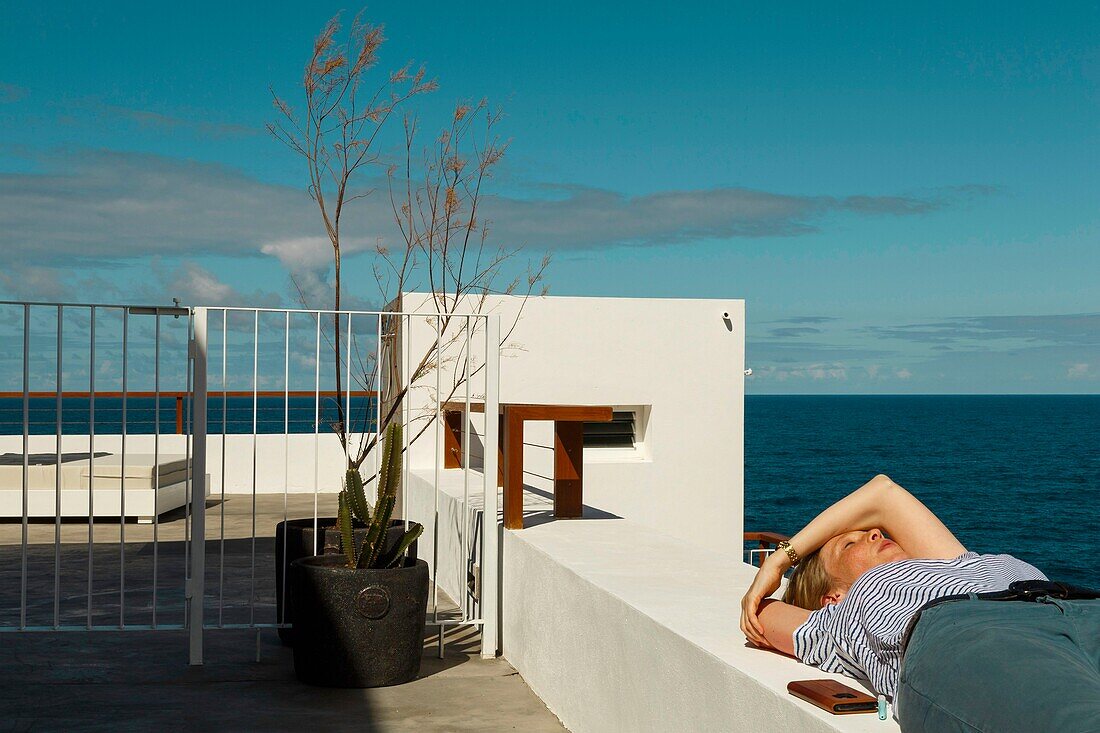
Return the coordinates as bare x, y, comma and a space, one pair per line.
582, 413
568, 469
500, 451
513, 469
475, 407
452, 439
570, 413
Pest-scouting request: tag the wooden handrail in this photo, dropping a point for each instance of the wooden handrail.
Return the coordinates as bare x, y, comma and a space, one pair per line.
765, 539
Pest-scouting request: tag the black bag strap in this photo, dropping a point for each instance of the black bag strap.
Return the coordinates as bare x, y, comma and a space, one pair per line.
1029, 590
1019, 590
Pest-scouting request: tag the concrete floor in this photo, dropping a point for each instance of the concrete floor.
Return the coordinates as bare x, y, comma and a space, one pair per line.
140, 680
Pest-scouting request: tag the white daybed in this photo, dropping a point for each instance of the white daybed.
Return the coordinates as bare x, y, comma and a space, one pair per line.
151, 486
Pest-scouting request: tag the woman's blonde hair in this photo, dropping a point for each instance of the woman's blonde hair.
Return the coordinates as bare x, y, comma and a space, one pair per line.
808, 583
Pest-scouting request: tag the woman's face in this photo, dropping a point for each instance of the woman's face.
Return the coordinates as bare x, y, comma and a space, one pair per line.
848, 556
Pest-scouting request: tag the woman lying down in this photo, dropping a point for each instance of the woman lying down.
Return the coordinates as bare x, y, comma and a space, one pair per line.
882, 591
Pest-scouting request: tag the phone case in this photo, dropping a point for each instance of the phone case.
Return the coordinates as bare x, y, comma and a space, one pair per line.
836, 697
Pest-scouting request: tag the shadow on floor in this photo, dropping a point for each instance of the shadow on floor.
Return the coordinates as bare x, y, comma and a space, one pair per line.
140, 681
535, 517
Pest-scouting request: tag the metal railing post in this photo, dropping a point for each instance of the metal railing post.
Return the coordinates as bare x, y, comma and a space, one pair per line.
196, 583
490, 555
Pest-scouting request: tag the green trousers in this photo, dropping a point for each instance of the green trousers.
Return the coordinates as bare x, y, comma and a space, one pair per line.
1003, 667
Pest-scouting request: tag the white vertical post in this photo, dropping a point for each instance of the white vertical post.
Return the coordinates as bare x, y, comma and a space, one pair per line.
490, 554
221, 504
467, 552
91, 461
57, 482
26, 459
196, 585
255, 432
439, 462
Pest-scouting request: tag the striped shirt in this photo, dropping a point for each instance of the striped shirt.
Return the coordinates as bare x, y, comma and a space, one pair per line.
861, 635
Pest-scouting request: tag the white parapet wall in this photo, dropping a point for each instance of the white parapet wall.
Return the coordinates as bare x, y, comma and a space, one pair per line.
452, 518
623, 630
678, 364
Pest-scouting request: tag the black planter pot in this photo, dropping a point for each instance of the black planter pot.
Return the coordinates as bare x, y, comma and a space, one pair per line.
299, 544
357, 627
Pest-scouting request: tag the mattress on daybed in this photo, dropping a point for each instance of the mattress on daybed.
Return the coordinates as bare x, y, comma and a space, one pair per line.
143, 471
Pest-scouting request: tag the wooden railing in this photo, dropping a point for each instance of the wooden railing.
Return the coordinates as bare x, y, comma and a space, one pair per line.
766, 541
180, 396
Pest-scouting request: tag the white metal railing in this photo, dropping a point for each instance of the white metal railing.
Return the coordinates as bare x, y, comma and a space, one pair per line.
389, 373
114, 334
164, 581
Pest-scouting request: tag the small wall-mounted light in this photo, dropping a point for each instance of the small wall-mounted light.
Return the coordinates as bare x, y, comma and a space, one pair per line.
726, 320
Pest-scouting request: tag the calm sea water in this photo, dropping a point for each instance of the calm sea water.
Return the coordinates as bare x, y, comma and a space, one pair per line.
141, 414
1014, 474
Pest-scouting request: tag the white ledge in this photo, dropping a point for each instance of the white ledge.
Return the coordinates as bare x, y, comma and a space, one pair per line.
618, 628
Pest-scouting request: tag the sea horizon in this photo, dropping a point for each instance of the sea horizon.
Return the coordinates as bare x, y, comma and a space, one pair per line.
1006, 473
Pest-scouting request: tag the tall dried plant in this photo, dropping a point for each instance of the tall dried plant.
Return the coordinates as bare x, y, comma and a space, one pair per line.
436, 199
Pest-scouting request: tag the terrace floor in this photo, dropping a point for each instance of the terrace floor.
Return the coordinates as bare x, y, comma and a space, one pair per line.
140, 680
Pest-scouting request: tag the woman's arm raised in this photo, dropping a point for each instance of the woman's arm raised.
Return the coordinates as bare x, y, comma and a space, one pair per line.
884, 504
878, 503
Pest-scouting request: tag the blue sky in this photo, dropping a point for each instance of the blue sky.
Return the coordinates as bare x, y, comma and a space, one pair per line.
905, 196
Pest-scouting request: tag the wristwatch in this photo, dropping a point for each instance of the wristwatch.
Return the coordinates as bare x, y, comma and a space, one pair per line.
785, 546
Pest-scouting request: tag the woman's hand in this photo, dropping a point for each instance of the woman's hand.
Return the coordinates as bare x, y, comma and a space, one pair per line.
766, 582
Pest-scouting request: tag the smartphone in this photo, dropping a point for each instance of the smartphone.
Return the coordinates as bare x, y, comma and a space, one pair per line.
836, 697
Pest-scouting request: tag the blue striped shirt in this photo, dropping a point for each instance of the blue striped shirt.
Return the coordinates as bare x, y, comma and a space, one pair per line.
861, 635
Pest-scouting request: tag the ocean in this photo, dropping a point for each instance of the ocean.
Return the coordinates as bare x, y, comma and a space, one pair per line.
1015, 474
1007, 474
270, 414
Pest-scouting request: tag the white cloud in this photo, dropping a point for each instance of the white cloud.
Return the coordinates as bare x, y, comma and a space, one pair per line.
819, 373
23, 282
187, 281
1078, 371
119, 206
812, 372
903, 373
295, 253
587, 217
115, 206
1064, 328
192, 283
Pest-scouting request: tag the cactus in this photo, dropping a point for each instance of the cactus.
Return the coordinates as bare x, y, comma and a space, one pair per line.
347, 537
357, 499
354, 509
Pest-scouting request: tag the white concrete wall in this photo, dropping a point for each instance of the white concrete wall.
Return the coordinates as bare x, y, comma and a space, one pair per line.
679, 358
280, 461
451, 524
621, 630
